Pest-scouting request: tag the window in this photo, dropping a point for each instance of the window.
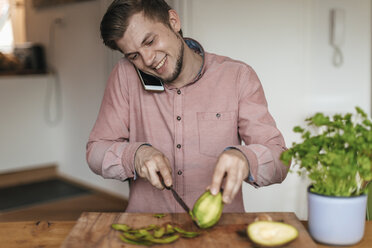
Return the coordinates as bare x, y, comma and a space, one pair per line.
6, 30
12, 24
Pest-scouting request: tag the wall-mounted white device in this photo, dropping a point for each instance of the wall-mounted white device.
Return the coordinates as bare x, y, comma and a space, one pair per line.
337, 35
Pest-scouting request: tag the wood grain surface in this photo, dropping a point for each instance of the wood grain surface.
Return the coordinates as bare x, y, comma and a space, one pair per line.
32, 234
94, 230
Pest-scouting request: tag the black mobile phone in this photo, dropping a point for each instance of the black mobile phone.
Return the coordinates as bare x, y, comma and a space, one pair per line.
150, 82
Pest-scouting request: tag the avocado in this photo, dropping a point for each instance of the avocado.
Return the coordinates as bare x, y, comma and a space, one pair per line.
207, 210
271, 233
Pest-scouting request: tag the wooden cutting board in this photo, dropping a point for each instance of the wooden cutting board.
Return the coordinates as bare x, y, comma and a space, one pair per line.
94, 230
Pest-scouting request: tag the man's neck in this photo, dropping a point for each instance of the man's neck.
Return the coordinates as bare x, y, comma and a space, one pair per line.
192, 62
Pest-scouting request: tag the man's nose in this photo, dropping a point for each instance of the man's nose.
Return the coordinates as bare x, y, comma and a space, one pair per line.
148, 57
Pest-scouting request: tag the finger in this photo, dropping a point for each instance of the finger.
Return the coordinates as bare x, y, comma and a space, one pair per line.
163, 167
231, 181
236, 188
166, 172
235, 191
239, 177
155, 179
167, 177
218, 175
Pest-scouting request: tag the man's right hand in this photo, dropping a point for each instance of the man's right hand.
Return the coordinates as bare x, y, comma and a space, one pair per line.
148, 162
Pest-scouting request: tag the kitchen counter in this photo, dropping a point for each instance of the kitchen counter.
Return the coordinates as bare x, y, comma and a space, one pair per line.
53, 233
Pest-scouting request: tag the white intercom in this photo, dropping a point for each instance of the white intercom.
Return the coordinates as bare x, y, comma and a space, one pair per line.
337, 34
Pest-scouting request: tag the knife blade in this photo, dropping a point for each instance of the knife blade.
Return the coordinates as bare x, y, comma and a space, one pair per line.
175, 195
179, 200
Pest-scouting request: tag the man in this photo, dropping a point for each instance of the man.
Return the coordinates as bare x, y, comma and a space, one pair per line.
191, 133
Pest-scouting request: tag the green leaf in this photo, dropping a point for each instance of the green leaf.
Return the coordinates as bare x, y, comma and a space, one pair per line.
319, 119
298, 129
361, 112
336, 149
286, 157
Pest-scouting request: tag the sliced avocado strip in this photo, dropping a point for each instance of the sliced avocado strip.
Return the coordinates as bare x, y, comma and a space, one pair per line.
121, 227
132, 237
143, 232
159, 216
271, 233
170, 229
152, 234
186, 234
132, 242
158, 233
150, 227
165, 240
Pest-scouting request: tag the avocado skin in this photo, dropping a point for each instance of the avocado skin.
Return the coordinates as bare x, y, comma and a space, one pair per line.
207, 210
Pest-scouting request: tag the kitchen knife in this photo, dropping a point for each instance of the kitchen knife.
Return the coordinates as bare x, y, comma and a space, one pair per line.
175, 195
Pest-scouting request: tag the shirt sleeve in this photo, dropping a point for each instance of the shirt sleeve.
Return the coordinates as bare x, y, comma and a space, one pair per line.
263, 142
109, 151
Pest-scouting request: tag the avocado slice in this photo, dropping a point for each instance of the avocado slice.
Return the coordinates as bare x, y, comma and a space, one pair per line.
271, 233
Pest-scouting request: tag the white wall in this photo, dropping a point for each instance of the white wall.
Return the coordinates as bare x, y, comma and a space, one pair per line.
26, 139
80, 60
287, 43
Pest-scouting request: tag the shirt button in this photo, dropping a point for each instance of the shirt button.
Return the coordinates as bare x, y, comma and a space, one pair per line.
178, 118
218, 115
179, 92
179, 172
179, 146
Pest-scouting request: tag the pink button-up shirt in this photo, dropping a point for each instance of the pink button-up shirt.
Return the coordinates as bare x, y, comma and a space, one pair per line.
191, 125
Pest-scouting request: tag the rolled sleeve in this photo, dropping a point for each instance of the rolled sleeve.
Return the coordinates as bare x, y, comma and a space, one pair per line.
118, 161
263, 141
110, 153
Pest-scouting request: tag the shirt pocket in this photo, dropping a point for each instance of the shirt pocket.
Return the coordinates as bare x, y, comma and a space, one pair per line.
216, 131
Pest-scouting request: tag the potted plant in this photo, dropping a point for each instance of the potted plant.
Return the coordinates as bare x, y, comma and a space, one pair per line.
336, 155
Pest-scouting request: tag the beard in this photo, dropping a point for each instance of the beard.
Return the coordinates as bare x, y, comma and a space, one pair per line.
179, 63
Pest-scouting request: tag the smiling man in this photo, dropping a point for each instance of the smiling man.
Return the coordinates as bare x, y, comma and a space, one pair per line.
190, 133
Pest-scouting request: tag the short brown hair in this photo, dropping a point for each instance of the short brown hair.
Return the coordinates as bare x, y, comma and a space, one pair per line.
115, 21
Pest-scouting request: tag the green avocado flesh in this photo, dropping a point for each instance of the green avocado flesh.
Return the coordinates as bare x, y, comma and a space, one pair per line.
271, 233
207, 209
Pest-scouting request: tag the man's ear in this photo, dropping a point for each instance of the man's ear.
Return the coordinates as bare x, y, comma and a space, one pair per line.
174, 20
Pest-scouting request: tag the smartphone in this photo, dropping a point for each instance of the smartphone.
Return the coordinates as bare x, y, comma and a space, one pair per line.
150, 82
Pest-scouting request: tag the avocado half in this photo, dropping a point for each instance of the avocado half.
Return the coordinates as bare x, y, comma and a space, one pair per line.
207, 210
271, 233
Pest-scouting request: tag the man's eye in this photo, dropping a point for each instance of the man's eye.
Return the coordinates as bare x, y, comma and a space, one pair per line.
133, 57
150, 42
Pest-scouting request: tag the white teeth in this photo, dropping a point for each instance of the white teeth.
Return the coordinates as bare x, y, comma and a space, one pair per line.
160, 64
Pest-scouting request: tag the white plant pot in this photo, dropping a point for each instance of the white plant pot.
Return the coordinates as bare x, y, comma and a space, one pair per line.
336, 220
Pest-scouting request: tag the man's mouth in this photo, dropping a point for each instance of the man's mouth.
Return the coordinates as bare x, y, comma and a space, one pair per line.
161, 63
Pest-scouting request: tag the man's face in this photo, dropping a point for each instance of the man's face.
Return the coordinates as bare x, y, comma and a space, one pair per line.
153, 47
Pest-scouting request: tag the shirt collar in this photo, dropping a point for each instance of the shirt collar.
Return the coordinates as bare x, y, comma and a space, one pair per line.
196, 47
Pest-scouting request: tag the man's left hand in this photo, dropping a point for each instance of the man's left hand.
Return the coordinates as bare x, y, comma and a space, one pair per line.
234, 164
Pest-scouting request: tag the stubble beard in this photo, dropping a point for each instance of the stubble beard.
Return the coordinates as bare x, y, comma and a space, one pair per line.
179, 63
